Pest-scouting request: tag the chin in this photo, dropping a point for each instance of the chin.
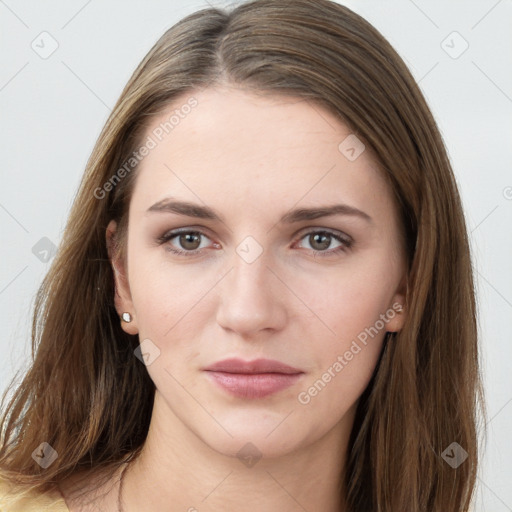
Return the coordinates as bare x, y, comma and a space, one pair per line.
255, 434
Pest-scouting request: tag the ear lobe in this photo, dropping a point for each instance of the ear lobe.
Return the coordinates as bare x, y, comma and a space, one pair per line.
397, 309
122, 295
397, 315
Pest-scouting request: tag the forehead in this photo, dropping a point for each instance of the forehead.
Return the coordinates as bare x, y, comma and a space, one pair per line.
234, 148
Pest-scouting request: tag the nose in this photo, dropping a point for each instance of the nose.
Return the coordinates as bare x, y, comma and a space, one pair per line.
252, 298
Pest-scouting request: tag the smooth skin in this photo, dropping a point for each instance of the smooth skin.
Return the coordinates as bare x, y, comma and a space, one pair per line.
253, 158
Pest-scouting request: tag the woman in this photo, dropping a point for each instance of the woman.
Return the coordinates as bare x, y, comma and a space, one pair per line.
263, 299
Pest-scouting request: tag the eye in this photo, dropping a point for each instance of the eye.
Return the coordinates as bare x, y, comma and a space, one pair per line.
189, 242
320, 240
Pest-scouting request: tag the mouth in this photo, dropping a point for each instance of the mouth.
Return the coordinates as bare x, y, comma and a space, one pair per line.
253, 379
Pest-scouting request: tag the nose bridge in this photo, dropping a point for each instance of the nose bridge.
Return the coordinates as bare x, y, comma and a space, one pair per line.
249, 301
250, 278
250, 275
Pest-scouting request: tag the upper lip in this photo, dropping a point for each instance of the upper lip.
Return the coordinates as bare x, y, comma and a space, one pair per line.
235, 365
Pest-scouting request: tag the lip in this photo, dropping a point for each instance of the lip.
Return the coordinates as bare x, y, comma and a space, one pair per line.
253, 379
235, 365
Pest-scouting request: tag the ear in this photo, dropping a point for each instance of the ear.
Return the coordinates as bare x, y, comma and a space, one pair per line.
122, 295
398, 306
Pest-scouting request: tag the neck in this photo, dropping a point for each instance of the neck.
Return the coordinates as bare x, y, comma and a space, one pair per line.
177, 470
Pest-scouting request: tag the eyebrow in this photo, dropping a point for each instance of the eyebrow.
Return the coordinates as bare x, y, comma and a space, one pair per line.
170, 205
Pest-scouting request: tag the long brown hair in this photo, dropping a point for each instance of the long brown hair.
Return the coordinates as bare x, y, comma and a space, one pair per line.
88, 396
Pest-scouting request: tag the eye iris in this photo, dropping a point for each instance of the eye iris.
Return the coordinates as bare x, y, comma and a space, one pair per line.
315, 237
189, 238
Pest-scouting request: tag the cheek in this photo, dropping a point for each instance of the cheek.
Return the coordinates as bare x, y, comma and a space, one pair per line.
354, 311
344, 360
171, 300
170, 313
350, 299
155, 303
335, 390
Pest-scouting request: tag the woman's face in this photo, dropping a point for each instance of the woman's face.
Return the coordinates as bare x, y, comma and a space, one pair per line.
257, 276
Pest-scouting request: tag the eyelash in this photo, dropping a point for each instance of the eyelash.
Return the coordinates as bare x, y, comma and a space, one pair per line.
346, 242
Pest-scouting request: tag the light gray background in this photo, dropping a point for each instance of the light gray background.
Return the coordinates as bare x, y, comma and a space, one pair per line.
52, 111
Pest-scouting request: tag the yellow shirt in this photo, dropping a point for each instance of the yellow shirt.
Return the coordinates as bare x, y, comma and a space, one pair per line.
51, 501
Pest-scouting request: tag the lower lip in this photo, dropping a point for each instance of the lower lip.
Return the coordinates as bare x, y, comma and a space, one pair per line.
257, 385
